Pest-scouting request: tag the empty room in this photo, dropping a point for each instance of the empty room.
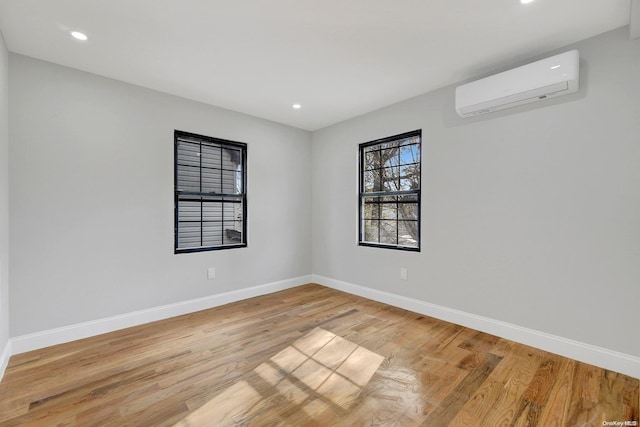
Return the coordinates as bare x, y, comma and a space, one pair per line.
319, 213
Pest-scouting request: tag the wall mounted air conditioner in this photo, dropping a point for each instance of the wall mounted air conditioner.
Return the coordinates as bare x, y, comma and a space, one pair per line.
550, 77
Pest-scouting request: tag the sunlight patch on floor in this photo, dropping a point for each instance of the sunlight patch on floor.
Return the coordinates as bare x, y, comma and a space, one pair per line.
316, 372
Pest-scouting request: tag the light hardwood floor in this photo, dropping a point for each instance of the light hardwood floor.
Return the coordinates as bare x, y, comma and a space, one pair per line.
308, 356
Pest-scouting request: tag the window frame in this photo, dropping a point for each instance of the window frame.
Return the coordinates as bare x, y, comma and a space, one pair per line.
198, 196
362, 194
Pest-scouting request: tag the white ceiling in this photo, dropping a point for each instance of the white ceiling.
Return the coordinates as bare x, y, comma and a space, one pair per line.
338, 58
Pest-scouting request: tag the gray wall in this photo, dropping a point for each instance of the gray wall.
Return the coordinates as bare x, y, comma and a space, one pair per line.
92, 199
530, 216
4, 195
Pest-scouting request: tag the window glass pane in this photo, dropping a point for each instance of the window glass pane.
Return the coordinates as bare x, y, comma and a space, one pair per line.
371, 231
211, 211
188, 234
409, 177
390, 157
228, 181
211, 182
229, 212
389, 210
231, 158
408, 211
372, 160
408, 233
388, 232
210, 155
410, 154
188, 178
238, 209
371, 181
211, 233
238, 177
189, 211
371, 209
232, 232
390, 179
189, 154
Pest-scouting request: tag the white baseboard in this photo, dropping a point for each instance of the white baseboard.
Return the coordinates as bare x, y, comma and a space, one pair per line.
24, 343
598, 356
4, 358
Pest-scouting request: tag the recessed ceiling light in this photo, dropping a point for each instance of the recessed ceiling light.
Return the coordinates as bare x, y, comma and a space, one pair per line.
296, 106
78, 35
526, 1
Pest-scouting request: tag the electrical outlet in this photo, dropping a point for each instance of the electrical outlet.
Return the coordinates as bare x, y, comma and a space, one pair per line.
404, 274
211, 273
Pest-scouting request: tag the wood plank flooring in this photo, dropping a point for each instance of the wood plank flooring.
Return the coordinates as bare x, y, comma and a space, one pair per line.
308, 356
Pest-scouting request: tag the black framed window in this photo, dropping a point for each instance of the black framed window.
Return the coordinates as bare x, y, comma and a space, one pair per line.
389, 202
210, 200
